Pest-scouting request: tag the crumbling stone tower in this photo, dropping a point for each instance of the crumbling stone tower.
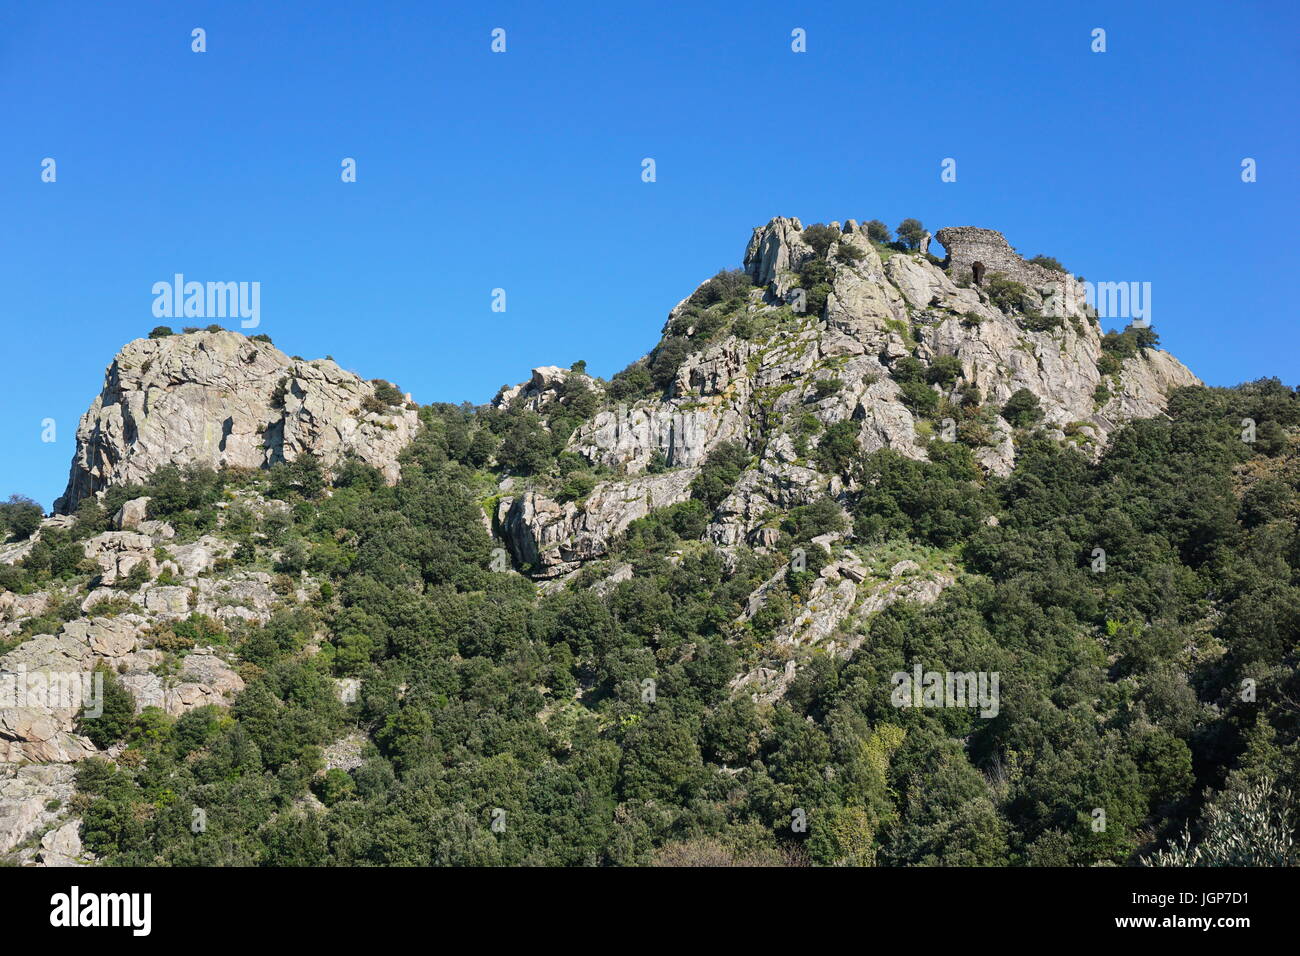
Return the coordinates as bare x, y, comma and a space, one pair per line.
968, 245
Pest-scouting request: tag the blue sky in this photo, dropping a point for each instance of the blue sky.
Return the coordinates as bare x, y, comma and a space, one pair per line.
522, 171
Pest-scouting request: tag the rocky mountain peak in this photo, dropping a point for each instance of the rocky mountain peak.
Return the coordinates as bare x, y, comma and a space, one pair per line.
826, 332
220, 399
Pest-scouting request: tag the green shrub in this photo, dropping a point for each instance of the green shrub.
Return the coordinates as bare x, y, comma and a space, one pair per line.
877, 231
1022, 409
944, 371
1007, 294
920, 398
334, 787
666, 359
815, 278
118, 712
821, 237
633, 383
727, 286
387, 392
20, 517
719, 473
825, 387
1037, 322
838, 446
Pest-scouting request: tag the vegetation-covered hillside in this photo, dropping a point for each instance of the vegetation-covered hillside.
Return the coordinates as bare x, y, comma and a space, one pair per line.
481, 701
665, 618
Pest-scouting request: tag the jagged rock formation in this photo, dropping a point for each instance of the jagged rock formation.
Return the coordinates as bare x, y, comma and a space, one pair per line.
542, 387
223, 400
47, 679
554, 538
32, 800
33, 731
845, 589
838, 366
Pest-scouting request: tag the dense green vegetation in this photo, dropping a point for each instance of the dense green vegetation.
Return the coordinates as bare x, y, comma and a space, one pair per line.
599, 728
19, 517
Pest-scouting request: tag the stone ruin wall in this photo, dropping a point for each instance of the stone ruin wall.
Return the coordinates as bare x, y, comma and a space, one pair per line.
968, 244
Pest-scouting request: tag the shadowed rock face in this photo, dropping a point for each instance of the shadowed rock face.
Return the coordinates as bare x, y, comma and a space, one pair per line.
221, 399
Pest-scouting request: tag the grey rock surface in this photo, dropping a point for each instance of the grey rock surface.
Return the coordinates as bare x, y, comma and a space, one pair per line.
220, 399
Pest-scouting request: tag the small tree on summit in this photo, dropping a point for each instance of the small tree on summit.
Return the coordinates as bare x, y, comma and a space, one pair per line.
911, 232
877, 231
821, 237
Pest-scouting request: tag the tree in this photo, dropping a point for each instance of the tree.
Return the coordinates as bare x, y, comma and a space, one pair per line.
666, 359
387, 393
911, 232
877, 231
944, 371
842, 836
526, 445
719, 473
335, 786
632, 383
161, 331
821, 237
117, 711
1251, 826
839, 445
1145, 336
1022, 409
20, 516
659, 757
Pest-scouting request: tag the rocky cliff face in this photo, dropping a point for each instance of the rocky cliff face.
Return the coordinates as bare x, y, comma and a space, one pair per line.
222, 400
1025, 327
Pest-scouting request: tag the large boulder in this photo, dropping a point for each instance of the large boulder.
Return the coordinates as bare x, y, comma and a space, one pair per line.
132, 513
118, 552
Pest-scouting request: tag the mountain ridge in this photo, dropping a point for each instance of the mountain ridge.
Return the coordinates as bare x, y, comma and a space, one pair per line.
217, 399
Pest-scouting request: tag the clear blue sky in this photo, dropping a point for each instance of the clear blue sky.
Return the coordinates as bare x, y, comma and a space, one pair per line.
522, 170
